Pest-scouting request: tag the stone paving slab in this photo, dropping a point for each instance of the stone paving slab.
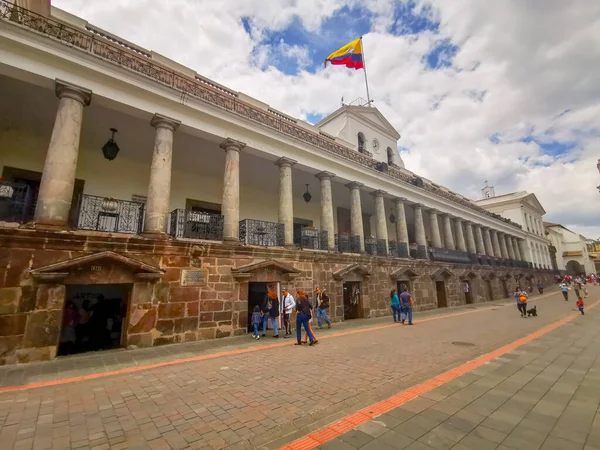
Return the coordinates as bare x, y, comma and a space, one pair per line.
271, 395
543, 396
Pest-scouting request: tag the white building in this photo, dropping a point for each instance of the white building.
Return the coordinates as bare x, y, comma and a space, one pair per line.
525, 209
572, 250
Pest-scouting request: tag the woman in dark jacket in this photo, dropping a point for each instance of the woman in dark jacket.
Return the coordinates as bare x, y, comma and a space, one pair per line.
303, 315
274, 315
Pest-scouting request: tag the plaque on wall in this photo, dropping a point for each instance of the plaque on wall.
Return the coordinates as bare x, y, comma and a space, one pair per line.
195, 277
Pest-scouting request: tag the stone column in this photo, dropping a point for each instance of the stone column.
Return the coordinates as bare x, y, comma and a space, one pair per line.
503, 249
509, 247
436, 239
327, 223
356, 222
523, 248
479, 241
230, 206
495, 243
420, 238
460, 236
159, 187
516, 249
471, 247
286, 199
382, 232
401, 228
58, 178
487, 240
448, 238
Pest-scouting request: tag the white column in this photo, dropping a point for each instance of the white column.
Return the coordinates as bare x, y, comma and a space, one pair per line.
401, 228
495, 244
230, 207
471, 246
420, 238
327, 223
159, 186
58, 177
503, 249
448, 238
517, 249
487, 240
382, 232
479, 241
356, 221
286, 199
509, 247
436, 239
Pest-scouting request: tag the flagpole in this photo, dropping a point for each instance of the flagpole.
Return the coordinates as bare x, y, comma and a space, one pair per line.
365, 70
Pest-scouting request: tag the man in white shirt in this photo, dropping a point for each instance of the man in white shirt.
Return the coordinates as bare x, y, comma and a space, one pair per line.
288, 306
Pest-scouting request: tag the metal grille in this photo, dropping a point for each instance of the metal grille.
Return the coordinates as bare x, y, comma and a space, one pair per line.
261, 233
14, 201
196, 225
109, 214
347, 244
314, 239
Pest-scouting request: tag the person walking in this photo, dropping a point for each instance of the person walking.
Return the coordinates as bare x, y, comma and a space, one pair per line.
395, 304
322, 304
522, 298
406, 305
580, 305
256, 321
540, 286
274, 312
303, 315
264, 309
288, 307
565, 291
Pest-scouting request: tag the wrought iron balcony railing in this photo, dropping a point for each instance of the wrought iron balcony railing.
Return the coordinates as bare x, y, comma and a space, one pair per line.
314, 239
187, 224
14, 201
110, 214
451, 256
376, 247
347, 244
261, 233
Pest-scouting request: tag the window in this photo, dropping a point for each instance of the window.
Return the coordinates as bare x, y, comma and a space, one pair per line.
361, 143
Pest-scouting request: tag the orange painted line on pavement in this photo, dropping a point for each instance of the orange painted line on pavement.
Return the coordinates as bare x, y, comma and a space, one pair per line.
174, 362
332, 431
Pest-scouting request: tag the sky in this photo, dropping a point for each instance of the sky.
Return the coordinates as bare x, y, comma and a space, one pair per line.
507, 92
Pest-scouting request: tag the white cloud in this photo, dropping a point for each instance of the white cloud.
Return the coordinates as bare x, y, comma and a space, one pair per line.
519, 67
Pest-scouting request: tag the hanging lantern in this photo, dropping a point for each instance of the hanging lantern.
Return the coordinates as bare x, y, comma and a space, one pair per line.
111, 149
307, 197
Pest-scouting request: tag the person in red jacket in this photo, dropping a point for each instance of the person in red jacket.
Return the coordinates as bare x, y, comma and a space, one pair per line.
580, 305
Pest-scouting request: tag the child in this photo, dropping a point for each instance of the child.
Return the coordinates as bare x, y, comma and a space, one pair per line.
580, 305
257, 318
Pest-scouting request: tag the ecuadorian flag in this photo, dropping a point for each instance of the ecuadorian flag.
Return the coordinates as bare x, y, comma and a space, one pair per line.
350, 55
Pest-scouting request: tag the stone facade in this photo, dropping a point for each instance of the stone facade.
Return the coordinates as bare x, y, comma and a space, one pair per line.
36, 268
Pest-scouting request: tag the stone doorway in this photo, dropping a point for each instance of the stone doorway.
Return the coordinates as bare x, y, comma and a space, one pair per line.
94, 318
489, 290
258, 296
352, 300
440, 289
468, 290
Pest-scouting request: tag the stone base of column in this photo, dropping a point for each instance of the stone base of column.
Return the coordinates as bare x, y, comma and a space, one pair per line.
156, 235
422, 252
46, 226
232, 241
403, 250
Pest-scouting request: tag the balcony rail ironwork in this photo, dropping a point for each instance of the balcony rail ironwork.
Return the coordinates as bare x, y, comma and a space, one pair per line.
451, 256
115, 52
261, 233
110, 214
376, 247
314, 239
14, 201
189, 224
347, 244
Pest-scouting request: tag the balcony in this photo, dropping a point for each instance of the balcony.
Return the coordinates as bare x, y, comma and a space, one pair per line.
110, 214
261, 233
313, 239
376, 247
450, 256
347, 244
14, 200
189, 224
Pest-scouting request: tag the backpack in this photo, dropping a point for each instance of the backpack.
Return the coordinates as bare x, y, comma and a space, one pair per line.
522, 298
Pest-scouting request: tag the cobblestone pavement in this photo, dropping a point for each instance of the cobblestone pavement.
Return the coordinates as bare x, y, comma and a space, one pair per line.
255, 395
543, 395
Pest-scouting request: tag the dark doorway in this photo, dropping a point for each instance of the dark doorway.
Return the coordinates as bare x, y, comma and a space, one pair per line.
401, 284
258, 295
505, 288
352, 300
489, 290
440, 289
93, 317
468, 290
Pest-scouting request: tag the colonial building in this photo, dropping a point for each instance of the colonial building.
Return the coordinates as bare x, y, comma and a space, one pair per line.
573, 254
143, 204
525, 209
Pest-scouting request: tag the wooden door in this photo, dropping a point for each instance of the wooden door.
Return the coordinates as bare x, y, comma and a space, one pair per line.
440, 289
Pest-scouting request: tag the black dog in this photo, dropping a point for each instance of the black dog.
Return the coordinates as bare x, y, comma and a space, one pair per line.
532, 311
